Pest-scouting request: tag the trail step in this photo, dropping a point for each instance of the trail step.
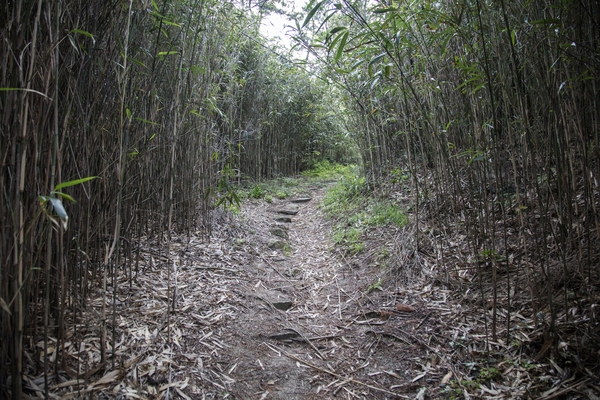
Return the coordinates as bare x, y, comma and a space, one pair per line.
279, 232
290, 209
301, 200
279, 300
284, 335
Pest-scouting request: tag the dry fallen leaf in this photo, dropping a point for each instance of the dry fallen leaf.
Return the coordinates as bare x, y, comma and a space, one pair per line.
447, 378
404, 308
108, 378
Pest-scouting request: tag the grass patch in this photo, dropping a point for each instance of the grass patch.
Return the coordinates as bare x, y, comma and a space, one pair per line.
326, 170
282, 194
355, 211
386, 214
286, 187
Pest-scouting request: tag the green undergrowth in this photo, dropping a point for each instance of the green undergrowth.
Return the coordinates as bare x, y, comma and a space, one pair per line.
281, 188
325, 170
351, 205
286, 187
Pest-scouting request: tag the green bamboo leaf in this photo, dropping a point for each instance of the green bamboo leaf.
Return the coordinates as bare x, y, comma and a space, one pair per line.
167, 53
128, 112
374, 83
138, 62
377, 58
387, 70
325, 21
146, 121
337, 29
312, 13
84, 33
171, 23
333, 43
384, 10
340, 49
73, 183
64, 196
356, 64
469, 81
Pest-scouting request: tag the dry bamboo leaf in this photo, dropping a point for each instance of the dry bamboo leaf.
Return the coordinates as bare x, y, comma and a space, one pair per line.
73, 382
447, 378
108, 378
131, 393
404, 308
177, 384
419, 377
186, 397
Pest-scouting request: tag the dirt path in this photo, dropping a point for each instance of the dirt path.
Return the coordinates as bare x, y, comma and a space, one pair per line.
332, 341
322, 345
250, 322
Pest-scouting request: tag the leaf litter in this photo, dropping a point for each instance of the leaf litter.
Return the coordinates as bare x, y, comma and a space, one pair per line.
196, 323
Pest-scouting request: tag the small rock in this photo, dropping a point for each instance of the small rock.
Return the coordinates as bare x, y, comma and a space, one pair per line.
279, 233
277, 245
286, 335
283, 219
282, 304
288, 212
290, 209
279, 300
301, 200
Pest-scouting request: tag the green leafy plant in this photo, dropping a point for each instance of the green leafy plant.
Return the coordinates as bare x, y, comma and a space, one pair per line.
281, 194
488, 374
375, 286
399, 175
257, 192
227, 191
287, 250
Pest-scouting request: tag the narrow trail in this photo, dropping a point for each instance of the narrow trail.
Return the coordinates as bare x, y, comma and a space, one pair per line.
251, 322
322, 346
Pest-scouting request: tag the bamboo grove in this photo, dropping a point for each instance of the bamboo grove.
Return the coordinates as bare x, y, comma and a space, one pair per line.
125, 119
491, 108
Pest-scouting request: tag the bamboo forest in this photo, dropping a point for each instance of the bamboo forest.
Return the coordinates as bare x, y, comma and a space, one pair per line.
392, 199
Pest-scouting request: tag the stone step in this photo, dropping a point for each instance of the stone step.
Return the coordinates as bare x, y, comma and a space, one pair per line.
301, 200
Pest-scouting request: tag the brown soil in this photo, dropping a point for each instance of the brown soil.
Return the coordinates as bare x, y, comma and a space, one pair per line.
339, 344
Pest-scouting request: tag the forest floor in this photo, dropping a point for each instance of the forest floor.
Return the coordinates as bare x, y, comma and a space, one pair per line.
268, 310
